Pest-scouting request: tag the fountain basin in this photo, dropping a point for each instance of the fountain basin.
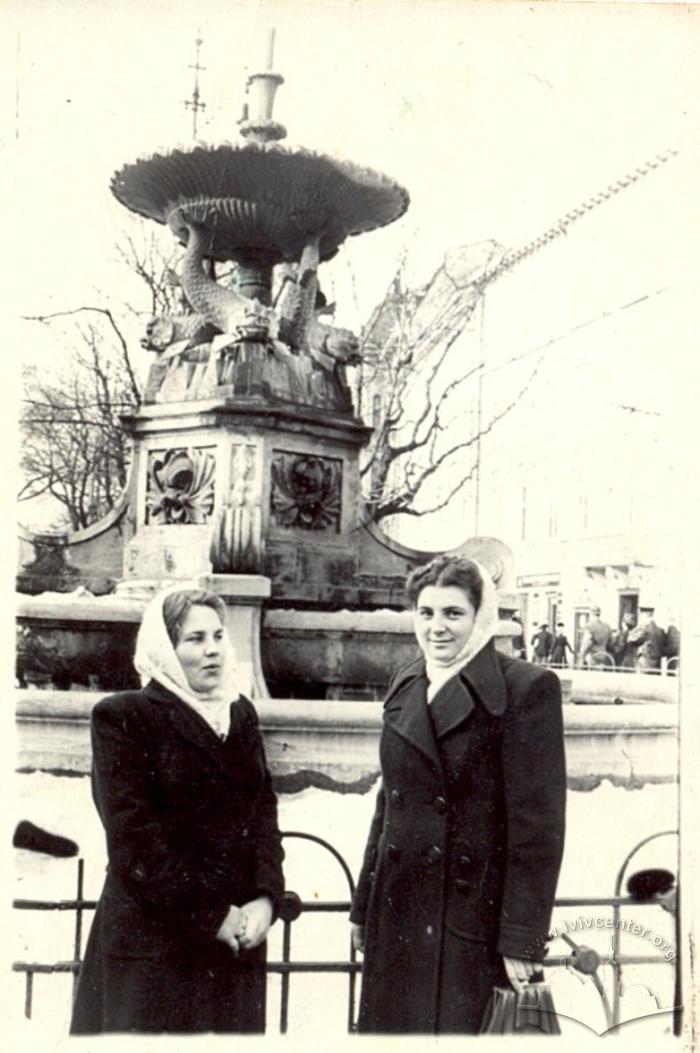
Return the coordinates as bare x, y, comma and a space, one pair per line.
334, 744
262, 196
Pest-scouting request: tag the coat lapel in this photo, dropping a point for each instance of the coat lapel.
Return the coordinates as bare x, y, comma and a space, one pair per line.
484, 677
406, 713
458, 728
183, 718
480, 680
451, 706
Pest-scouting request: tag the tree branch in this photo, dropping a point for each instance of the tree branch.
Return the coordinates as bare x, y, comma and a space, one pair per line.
105, 312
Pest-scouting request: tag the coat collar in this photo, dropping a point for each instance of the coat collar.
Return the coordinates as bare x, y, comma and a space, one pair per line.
482, 678
183, 718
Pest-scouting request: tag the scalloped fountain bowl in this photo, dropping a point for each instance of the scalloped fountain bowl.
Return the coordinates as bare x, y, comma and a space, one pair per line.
261, 196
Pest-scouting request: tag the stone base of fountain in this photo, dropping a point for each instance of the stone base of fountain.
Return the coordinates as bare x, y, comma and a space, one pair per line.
334, 745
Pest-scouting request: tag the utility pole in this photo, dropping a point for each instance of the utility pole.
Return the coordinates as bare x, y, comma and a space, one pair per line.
479, 414
194, 103
19, 39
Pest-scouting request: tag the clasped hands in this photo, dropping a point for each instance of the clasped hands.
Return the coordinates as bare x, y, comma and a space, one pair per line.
519, 971
246, 927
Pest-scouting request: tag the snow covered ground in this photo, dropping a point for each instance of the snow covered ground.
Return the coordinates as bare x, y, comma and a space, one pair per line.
603, 825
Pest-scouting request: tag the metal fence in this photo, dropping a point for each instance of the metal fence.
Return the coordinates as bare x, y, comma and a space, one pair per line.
583, 959
605, 663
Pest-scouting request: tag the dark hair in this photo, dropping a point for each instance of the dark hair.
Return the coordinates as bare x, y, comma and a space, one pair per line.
444, 571
177, 605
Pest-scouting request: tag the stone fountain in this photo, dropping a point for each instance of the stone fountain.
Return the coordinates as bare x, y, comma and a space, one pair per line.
245, 479
246, 445
245, 471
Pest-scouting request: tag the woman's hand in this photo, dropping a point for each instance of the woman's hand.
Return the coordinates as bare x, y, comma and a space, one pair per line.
520, 972
256, 918
357, 934
229, 929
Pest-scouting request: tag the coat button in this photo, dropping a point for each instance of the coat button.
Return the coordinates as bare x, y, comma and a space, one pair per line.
396, 799
434, 854
440, 805
462, 886
393, 853
465, 862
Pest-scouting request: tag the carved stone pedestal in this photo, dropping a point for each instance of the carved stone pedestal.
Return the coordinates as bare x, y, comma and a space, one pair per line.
245, 487
244, 595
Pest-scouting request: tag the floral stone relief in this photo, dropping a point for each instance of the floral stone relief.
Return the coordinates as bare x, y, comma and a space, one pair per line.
306, 491
180, 486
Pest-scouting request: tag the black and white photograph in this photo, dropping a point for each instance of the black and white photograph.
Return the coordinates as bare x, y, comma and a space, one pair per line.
351, 407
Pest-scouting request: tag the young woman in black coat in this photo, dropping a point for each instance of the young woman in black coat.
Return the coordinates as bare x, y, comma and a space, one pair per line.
460, 870
195, 858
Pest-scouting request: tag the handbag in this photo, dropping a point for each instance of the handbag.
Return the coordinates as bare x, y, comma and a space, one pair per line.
508, 1012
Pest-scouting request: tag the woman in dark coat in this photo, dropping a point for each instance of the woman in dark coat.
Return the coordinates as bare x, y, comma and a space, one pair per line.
461, 865
195, 857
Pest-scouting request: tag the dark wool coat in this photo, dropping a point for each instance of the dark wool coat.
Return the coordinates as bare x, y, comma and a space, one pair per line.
191, 826
463, 855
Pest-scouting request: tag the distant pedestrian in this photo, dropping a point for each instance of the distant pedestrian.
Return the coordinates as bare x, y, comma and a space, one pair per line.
596, 638
651, 640
673, 640
673, 647
560, 646
518, 642
622, 648
541, 644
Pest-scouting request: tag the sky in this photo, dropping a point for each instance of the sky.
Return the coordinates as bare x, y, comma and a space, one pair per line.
497, 118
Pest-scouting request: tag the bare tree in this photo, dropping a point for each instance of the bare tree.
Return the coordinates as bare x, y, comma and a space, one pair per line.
74, 449
421, 395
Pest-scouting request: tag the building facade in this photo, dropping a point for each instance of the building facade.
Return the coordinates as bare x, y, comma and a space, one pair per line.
580, 348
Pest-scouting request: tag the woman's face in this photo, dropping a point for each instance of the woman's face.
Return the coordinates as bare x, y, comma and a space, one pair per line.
443, 621
200, 648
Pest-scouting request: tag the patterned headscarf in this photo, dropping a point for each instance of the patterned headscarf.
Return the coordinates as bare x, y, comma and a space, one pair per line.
155, 659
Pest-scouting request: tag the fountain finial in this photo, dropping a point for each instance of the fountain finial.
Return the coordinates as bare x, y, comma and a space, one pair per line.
258, 125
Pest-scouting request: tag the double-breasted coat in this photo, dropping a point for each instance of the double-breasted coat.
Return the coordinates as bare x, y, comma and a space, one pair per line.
191, 828
464, 850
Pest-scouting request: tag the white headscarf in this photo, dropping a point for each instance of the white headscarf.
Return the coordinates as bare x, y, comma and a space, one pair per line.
155, 659
484, 628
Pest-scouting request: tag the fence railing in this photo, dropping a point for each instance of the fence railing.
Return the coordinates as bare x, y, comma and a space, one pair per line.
582, 959
605, 663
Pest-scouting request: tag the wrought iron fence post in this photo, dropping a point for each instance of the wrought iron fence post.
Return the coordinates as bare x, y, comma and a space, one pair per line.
617, 966
28, 992
284, 995
77, 942
351, 991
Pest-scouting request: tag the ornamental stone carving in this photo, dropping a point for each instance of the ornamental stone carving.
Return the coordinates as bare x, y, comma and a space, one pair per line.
306, 491
237, 539
180, 486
